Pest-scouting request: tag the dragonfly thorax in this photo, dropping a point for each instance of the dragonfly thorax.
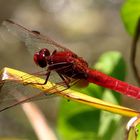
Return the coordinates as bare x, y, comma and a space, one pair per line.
41, 57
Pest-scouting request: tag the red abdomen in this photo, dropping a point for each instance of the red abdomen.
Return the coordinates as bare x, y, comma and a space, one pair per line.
112, 83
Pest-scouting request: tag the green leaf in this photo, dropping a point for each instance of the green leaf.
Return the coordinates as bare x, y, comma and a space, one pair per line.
77, 121
133, 126
130, 14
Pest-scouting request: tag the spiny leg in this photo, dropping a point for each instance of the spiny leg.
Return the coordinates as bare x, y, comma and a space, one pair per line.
66, 80
64, 67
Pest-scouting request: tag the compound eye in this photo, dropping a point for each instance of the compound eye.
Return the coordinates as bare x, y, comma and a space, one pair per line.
40, 60
44, 52
36, 56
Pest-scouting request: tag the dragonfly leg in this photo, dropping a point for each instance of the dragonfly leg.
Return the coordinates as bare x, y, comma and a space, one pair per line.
65, 79
54, 52
46, 80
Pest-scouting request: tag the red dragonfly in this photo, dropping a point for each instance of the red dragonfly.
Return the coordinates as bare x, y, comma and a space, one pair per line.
66, 63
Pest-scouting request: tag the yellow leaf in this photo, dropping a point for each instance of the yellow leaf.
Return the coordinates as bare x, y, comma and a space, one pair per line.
8, 74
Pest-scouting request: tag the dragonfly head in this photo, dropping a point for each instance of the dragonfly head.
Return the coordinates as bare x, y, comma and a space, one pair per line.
40, 58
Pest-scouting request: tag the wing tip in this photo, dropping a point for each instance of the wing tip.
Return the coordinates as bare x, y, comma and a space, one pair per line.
8, 20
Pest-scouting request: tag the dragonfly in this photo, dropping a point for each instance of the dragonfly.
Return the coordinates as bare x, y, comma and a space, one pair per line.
67, 64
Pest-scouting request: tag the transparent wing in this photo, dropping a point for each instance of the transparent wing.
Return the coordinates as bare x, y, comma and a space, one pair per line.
12, 94
33, 39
